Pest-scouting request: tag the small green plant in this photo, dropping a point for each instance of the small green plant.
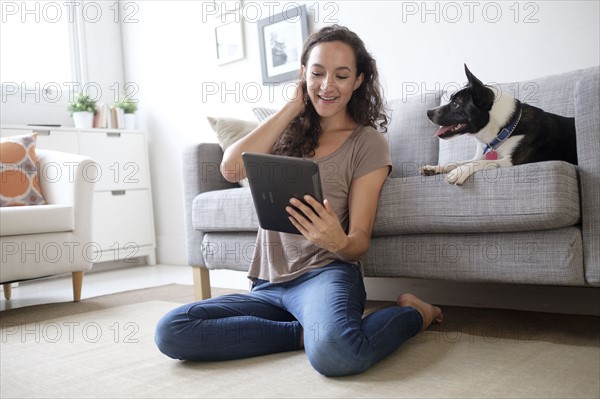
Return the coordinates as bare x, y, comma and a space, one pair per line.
129, 107
82, 103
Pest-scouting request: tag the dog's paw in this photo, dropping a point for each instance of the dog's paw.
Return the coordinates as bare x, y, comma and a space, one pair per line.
429, 170
459, 175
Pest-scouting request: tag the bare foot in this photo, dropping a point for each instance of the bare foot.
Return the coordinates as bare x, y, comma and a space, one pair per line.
429, 313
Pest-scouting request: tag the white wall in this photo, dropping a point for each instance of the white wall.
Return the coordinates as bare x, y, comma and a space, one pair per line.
420, 43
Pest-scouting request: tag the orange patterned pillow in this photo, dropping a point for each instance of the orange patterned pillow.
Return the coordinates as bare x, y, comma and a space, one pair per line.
19, 181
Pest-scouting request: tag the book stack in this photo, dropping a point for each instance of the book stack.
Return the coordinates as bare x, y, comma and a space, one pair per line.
107, 117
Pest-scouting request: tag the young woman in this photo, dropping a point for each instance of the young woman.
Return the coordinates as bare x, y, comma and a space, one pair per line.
307, 289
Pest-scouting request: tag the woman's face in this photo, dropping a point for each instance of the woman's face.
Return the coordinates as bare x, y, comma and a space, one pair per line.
331, 77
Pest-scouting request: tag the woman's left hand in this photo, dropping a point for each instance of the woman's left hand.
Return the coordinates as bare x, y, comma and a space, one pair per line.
319, 225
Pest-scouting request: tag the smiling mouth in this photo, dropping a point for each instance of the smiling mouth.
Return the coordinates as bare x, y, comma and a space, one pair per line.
446, 131
328, 99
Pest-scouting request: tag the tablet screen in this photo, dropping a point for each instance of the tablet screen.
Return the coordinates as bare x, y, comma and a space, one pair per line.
274, 180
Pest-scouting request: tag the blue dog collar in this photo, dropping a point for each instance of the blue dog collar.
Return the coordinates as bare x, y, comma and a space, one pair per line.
506, 131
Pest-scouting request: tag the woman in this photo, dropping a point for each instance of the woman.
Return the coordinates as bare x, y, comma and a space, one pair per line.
308, 289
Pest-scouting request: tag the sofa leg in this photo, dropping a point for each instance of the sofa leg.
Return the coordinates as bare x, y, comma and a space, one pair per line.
201, 283
77, 284
7, 290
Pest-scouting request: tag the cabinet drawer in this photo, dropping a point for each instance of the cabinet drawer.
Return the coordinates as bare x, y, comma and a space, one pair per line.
47, 139
14, 132
122, 218
57, 141
121, 159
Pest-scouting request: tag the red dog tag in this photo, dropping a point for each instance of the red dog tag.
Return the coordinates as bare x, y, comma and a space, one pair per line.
491, 155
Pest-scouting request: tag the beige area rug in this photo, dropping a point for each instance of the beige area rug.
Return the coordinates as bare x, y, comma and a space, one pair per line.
103, 347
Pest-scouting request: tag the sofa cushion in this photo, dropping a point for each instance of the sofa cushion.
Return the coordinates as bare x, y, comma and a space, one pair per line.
551, 257
232, 251
17, 220
19, 180
410, 134
224, 210
527, 197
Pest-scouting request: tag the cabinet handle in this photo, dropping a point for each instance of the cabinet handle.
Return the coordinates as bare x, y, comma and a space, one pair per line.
43, 132
118, 192
113, 134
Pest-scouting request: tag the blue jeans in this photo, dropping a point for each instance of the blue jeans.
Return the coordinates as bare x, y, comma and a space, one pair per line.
325, 305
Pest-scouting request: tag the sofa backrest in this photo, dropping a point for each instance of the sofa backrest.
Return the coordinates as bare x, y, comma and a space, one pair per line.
410, 132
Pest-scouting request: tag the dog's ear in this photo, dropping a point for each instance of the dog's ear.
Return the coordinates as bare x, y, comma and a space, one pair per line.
473, 81
482, 95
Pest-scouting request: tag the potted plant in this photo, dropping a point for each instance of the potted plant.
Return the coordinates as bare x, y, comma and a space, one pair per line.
129, 108
82, 110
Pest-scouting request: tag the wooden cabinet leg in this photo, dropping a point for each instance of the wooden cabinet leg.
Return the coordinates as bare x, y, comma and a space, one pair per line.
77, 284
201, 283
7, 290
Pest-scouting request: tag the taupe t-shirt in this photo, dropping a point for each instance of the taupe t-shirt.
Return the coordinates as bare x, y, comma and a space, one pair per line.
280, 257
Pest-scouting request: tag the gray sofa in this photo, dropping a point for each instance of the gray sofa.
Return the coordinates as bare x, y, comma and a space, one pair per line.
529, 224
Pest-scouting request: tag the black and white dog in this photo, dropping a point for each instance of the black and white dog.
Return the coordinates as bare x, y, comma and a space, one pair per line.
508, 132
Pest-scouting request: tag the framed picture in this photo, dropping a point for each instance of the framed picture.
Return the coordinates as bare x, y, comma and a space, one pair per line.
229, 36
280, 38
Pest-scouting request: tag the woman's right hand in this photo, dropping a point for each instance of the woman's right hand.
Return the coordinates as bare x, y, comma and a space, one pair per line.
299, 99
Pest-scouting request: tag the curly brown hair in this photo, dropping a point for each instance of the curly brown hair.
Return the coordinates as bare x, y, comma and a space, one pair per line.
366, 106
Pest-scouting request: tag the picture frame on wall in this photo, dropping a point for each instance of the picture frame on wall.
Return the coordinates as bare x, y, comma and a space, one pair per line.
228, 35
280, 38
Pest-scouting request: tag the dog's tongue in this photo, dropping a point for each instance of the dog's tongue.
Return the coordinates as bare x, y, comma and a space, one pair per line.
443, 129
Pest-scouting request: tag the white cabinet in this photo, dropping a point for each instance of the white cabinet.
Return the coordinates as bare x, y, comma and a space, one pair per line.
123, 221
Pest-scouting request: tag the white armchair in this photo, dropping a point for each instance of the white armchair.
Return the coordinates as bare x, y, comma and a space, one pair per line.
45, 240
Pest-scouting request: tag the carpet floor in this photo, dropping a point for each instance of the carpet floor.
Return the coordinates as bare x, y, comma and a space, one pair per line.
103, 347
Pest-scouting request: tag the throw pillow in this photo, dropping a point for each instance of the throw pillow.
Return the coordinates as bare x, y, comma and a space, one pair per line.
230, 130
262, 113
19, 181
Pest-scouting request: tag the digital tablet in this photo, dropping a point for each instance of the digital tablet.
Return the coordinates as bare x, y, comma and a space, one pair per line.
274, 180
